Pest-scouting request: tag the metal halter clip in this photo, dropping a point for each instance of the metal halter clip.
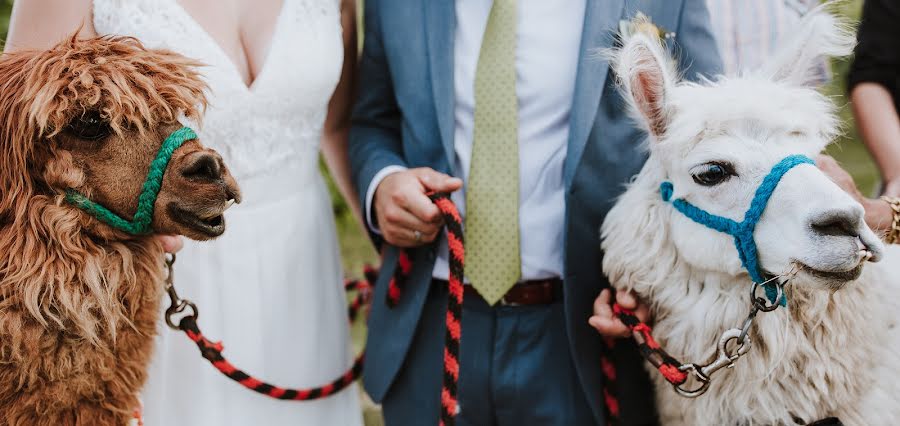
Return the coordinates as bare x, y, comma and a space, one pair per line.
724, 359
177, 305
761, 303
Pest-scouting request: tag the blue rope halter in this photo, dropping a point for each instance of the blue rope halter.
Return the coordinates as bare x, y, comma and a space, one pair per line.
743, 231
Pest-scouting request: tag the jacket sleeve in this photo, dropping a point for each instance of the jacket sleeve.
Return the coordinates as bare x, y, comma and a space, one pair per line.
375, 138
698, 54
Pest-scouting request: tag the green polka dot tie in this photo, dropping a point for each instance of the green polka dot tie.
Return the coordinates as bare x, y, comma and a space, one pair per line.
492, 194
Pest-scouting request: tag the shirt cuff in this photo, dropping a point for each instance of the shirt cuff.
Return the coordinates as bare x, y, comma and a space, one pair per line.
370, 193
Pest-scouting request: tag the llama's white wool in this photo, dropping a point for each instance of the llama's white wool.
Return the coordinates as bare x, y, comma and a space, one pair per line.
834, 351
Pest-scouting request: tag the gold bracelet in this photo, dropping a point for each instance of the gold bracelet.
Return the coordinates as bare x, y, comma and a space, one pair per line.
893, 235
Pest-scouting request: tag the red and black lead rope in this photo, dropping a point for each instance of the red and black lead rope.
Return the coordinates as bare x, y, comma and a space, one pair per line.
212, 351
457, 261
456, 246
667, 365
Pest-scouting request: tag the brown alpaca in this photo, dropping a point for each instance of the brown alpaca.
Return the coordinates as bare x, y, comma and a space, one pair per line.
79, 300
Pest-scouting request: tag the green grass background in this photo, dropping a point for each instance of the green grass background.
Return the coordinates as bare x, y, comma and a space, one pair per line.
357, 251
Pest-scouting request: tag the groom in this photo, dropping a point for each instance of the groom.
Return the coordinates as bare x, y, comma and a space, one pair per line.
511, 98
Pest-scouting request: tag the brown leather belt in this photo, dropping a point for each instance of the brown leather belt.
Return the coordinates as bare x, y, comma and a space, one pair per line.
525, 293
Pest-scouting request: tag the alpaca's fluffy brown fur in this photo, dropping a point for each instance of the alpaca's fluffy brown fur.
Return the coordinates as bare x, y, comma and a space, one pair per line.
78, 300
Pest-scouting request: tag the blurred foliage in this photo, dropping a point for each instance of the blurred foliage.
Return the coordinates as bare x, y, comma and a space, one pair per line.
5, 9
849, 149
356, 249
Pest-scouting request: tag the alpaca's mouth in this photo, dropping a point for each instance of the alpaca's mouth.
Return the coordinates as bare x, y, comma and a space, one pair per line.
833, 276
209, 226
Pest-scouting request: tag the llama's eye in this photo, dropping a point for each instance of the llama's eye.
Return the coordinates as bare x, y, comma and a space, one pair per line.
89, 126
713, 174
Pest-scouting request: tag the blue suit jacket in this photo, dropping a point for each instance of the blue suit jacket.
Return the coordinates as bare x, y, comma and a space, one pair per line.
404, 116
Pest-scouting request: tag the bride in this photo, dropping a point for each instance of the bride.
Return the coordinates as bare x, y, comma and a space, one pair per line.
280, 74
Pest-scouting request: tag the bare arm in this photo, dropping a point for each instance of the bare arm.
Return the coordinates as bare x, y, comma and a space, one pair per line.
41, 24
879, 126
337, 123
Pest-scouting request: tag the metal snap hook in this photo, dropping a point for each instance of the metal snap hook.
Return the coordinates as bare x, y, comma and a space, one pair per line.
177, 305
695, 371
724, 358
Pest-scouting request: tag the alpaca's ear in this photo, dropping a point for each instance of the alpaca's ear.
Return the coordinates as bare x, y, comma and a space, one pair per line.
819, 34
647, 76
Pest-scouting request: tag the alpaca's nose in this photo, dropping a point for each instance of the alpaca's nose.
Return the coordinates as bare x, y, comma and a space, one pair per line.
204, 165
837, 223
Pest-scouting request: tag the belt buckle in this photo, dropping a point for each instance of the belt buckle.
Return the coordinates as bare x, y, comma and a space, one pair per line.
504, 302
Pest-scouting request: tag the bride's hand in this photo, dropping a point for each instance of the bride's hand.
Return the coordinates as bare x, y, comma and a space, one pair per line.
606, 322
171, 243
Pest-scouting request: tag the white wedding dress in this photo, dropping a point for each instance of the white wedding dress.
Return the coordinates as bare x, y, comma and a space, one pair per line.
271, 287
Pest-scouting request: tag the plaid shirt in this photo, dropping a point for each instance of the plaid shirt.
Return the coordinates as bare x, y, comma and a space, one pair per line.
748, 31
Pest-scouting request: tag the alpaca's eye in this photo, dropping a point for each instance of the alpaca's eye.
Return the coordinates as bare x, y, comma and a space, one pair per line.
713, 174
89, 126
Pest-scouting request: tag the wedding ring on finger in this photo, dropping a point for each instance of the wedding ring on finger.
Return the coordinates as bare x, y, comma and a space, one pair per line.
417, 235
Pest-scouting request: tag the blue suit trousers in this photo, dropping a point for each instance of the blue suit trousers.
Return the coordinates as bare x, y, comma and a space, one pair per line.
515, 368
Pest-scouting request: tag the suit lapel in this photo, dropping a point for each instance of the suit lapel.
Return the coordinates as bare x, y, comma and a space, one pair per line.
440, 23
600, 27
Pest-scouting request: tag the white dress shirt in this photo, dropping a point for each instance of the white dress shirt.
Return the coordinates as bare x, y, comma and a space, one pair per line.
547, 54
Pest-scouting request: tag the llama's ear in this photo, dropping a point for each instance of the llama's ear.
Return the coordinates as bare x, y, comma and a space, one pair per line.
647, 76
819, 34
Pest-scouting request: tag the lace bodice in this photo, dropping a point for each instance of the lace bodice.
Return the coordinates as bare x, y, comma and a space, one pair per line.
279, 118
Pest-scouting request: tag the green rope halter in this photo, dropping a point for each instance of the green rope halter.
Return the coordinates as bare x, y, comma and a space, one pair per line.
144, 215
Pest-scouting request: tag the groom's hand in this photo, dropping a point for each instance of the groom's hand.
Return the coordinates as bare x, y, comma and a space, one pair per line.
404, 214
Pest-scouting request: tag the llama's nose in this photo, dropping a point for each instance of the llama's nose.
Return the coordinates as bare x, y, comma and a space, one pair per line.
837, 223
204, 165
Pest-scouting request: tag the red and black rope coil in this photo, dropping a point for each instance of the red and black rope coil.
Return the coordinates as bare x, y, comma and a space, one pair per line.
398, 280
363, 289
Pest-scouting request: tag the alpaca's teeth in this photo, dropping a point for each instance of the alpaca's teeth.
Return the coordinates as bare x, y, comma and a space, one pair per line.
228, 204
865, 255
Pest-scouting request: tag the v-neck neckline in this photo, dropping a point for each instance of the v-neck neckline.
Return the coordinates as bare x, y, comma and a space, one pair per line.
221, 51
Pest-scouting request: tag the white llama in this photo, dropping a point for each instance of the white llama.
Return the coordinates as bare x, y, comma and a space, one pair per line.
833, 350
